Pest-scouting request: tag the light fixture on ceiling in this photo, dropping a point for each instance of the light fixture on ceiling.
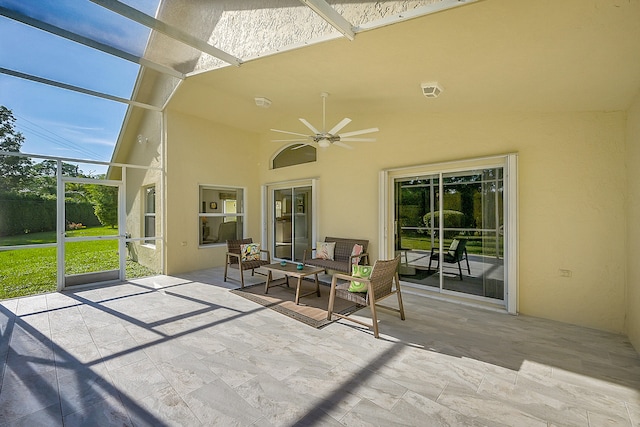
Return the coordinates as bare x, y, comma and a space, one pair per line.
142, 139
263, 102
431, 89
324, 143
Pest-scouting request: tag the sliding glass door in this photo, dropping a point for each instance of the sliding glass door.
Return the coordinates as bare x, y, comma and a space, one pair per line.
291, 219
449, 228
472, 216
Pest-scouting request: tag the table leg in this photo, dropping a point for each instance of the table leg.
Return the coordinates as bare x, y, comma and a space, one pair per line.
298, 289
266, 286
317, 285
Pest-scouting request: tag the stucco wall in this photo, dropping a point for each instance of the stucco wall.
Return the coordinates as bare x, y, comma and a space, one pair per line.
633, 218
571, 189
572, 185
146, 153
202, 152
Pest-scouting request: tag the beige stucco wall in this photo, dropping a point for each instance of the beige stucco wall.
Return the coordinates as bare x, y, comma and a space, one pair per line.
571, 189
572, 194
633, 216
200, 152
147, 153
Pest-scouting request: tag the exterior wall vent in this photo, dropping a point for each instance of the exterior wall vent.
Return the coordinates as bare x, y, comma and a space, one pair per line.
431, 90
263, 102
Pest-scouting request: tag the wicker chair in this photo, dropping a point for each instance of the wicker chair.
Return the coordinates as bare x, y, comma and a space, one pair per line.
234, 259
380, 286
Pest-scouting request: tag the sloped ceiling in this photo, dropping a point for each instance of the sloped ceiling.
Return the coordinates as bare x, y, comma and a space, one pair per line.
493, 55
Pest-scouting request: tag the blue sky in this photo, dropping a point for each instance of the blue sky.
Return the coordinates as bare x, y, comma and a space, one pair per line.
59, 122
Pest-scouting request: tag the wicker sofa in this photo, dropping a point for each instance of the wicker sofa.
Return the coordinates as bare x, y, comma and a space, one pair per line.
342, 258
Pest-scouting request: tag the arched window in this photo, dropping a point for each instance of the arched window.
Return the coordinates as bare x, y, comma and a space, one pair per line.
294, 155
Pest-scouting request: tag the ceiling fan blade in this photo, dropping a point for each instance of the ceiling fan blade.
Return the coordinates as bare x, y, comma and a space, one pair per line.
358, 132
290, 140
291, 133
343, 145
358, 139
340, 125
300, 146
307, 124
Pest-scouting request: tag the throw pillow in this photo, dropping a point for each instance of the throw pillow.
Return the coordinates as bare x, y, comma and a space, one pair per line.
453, 247
325, 250
363, 271
357, 250
250, 252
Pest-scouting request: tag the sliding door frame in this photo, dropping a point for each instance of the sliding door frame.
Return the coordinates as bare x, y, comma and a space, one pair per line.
509, 163
267, 208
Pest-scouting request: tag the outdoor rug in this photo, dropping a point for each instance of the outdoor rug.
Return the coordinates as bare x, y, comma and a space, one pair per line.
312, 309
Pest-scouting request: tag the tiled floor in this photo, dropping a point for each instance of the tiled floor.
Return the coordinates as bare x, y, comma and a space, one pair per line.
185, 351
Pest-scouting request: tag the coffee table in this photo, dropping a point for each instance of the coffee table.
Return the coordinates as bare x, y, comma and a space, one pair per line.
290, 269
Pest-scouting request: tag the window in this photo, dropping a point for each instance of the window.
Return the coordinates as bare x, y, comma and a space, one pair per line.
221, 215
294, 155
150, 214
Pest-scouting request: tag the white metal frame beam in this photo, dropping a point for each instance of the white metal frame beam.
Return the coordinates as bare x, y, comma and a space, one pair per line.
77, 89
329, 14
168, 30
16, 16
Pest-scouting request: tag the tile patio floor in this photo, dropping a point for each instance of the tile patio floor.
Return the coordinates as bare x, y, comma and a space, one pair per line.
165, 351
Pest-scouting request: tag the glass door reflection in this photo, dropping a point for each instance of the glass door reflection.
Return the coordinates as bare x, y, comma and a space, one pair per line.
291, 234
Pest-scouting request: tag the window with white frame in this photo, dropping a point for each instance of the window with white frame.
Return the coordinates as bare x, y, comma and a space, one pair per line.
150, 214
295, 154
221, 215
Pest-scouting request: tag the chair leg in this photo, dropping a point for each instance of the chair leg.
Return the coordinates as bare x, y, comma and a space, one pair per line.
374, 317
241, 277
226, 264
460, 270
332, 297
468, 268
400, 305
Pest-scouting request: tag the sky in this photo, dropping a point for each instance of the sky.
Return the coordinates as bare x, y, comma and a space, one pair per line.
59, 122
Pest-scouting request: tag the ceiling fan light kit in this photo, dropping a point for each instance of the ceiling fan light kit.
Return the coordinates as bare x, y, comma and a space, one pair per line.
326, 138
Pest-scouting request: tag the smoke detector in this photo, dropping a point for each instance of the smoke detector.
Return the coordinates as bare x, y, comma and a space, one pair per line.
431, 90
263, 102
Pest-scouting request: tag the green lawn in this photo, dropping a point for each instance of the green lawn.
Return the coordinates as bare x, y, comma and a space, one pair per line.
475, 244
33, 271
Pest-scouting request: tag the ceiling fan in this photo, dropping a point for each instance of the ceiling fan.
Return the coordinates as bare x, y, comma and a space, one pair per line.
325, 138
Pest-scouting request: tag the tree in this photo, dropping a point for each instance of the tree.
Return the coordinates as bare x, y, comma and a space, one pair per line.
14, 170
105, 201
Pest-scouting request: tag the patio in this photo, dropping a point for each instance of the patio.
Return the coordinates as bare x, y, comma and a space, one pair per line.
185, 351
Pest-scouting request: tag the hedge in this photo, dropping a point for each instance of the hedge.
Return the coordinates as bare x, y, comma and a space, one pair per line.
28, 213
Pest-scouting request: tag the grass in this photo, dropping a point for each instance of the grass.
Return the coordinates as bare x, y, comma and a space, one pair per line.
475, 244
33, 271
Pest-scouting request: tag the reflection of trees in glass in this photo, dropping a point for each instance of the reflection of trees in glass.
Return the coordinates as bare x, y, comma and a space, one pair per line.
413, 202
452, 219
469, 201
475, 196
